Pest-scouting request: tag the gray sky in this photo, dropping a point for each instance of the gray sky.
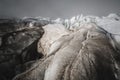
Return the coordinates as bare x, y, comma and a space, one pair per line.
58, 8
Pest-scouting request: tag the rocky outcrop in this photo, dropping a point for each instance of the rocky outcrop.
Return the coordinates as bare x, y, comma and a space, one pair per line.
81, 48
18, 45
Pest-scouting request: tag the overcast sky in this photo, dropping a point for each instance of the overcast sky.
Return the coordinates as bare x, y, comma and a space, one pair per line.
58, 8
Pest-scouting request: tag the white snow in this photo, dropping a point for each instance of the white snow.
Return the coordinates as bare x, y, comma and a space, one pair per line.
110, 23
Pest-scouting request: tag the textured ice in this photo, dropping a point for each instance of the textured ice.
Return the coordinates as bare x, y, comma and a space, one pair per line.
110, 23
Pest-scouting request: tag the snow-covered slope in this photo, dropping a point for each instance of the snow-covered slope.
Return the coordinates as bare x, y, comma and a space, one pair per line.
111, 23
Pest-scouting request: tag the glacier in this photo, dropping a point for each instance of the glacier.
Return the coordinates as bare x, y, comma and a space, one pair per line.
79, 48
